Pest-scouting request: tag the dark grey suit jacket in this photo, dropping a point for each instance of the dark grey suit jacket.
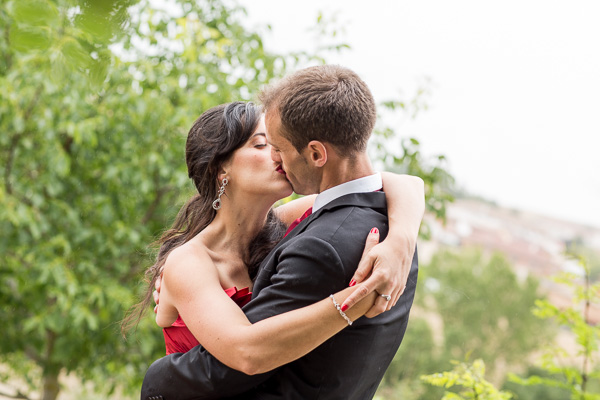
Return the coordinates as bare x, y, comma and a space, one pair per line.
317, 258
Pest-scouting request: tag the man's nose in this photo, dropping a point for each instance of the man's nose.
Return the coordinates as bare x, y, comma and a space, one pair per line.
275, 156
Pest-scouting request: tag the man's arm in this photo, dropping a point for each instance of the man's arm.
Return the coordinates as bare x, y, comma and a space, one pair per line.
196, 375
307, 271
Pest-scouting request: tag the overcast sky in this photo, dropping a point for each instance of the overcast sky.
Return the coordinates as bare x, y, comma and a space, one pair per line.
515, 87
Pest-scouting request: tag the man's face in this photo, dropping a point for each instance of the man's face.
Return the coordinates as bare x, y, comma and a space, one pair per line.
293, 164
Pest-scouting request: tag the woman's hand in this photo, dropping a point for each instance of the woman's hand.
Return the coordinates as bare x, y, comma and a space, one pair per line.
156, 293
386, 266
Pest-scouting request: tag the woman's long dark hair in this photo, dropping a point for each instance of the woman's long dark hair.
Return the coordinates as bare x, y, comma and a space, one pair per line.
213, 138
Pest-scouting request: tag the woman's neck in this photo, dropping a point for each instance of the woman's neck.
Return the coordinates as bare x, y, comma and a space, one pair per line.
235, 225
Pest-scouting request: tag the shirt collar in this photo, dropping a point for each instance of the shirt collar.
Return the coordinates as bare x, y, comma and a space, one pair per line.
369, 183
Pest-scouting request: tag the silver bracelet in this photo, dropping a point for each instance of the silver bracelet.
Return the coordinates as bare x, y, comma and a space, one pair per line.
337, 306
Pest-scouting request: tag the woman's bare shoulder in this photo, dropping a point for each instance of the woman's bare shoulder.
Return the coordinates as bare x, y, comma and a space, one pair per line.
189, 258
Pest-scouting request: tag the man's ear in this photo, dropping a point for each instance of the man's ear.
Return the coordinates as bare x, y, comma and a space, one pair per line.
317, 153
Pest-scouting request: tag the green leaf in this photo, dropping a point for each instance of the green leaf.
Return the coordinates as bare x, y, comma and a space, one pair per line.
30, 38
34, 12
74, 53
99, 71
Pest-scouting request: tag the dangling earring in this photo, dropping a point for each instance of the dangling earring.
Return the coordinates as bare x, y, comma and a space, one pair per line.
217, 203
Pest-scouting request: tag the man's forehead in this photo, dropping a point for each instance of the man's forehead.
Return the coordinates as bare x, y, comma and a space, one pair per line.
272, 123
272, 116
274, 130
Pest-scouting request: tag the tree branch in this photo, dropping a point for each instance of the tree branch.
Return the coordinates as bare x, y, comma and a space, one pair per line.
30, 352
8, 55
16, 138
9, 163
34, 101
51, 339
150, 211
19, 395
586, 315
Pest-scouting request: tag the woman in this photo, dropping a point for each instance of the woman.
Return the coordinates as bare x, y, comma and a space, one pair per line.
217, 242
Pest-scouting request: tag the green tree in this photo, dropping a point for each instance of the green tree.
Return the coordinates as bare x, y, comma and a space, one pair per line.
466, 304
589, 254
92, 168
578, 378
485, 310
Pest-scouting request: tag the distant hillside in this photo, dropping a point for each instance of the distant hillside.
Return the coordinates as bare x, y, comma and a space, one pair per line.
535, 244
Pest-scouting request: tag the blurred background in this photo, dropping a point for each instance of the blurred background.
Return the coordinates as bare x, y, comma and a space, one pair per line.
493, 105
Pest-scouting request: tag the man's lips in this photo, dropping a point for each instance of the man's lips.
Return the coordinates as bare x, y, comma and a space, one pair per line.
280, 170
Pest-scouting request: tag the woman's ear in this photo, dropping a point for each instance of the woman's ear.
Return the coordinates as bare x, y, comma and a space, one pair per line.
317, 153
223, 169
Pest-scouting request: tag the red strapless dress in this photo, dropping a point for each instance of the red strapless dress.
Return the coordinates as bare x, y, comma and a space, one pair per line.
179, 339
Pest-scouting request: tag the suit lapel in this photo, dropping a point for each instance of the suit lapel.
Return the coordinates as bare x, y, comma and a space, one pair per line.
375, 200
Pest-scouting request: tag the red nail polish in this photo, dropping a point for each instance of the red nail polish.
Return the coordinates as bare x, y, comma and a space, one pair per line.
344, 307
352, 282
374, 230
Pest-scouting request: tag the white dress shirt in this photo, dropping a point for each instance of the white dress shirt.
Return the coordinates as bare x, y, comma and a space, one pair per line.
369, 183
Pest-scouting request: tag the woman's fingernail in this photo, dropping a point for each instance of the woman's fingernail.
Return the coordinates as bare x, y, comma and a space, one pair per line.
352, 282
344, 307
374, 230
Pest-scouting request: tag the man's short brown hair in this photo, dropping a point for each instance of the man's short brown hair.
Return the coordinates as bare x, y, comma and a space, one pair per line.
328, 103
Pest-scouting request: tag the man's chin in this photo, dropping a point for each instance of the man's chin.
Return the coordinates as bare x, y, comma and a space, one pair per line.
302, 190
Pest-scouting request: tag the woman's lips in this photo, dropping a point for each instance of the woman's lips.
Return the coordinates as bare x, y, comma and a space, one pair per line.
280, 170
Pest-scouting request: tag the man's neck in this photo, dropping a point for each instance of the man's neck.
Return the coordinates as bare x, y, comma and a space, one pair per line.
341, 170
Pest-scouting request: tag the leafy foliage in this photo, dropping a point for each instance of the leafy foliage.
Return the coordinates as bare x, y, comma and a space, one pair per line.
70, 34
469, 377
574, 377
535, 392
484, 308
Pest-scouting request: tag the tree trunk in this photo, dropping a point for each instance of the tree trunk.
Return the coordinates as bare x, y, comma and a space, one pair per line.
51, 387
51, 371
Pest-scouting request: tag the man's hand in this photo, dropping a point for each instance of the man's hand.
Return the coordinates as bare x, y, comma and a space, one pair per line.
156, 293
386, 266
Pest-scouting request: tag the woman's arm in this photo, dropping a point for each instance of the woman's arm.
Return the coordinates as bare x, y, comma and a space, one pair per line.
294, 209
388, 263
191, 286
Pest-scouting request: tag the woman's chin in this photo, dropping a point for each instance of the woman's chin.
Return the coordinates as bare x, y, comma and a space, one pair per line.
288, 192
285, 193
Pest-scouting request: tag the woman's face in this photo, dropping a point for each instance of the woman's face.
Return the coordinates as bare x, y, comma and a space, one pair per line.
253, 173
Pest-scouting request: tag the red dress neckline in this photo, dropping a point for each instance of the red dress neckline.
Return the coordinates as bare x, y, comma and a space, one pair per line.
179, 339
241, 296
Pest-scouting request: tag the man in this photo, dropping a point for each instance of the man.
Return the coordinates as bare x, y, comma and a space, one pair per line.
318, 123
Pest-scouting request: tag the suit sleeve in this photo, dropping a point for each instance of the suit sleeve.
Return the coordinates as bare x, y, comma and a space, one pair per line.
307, 271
